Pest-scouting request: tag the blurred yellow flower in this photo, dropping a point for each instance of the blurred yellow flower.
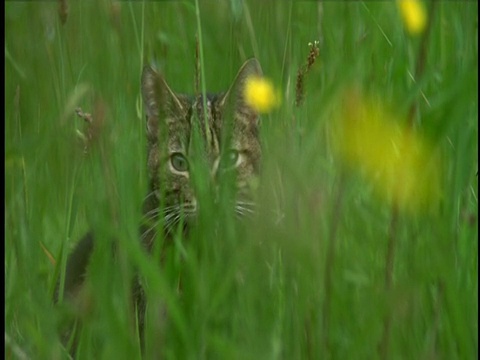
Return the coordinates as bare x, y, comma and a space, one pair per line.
260, 94
399, 164
413, 14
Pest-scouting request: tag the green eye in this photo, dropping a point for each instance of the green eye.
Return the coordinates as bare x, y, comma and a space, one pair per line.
231, 158
179, 162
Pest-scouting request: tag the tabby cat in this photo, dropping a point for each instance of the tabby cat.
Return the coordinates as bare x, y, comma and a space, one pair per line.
172, 120
219, 131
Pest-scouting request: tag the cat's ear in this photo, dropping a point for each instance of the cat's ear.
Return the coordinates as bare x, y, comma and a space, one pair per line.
159, 100
235, 96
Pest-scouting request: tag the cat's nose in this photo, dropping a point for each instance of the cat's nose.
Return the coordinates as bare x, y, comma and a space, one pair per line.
191, 206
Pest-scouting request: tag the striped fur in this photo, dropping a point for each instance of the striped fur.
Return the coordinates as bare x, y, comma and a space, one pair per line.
210, 131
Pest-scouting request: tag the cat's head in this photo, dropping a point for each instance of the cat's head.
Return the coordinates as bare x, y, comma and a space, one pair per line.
182, 146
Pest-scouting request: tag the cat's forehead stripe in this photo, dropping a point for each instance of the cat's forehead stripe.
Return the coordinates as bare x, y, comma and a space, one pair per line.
197, 114
214, 141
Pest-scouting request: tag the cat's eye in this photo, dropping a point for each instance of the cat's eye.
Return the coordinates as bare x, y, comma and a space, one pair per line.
232, 158
179, 162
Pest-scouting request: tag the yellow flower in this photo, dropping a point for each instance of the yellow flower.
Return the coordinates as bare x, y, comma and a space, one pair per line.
413, 14
260, 94
399, 164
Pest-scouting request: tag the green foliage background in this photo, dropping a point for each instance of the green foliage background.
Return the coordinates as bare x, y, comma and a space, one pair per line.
305, 280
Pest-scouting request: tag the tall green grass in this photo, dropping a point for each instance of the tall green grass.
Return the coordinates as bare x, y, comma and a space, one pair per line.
306, 279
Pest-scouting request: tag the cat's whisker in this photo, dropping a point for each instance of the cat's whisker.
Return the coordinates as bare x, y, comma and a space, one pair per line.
170, 215
174, 211
176, 221
152, 214
247, 203
151, 193
146, 232
172, 223
161, 209
155, 213
168, 208
243, 209
154, 228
